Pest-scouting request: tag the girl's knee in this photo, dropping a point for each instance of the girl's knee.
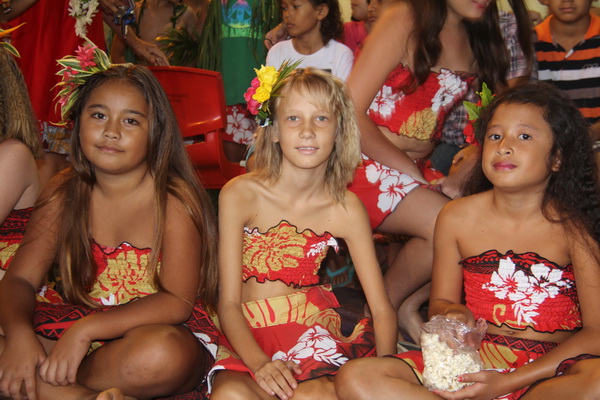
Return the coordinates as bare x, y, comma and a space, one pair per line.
160, 354
347, 380
234, 386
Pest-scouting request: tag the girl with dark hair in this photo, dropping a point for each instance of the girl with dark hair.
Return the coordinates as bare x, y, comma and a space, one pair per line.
524, 249
315, 27
417, 63
133, 236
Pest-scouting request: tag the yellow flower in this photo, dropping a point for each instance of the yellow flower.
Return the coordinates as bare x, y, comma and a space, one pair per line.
263, 93
267, 76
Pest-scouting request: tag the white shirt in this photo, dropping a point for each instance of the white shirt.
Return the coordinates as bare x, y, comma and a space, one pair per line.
334, 57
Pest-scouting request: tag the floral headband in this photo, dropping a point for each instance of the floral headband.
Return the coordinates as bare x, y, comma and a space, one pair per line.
89, 59
6, 45
263, 87
474, 110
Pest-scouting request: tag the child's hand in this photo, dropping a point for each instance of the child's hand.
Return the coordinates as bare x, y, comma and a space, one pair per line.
61, 365
276, 378
18, 364
487, 385
461, 313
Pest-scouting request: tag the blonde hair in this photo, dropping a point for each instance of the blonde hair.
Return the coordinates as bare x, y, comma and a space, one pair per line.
17, 119
326, 91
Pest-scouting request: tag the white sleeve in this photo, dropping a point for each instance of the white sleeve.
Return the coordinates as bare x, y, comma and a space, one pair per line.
343, 62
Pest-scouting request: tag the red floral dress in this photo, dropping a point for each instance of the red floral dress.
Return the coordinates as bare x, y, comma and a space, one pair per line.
519, 291
12, 231
302, 327
419, 115
122, 277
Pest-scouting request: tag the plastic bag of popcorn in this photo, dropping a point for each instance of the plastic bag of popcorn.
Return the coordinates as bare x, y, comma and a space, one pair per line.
450, 349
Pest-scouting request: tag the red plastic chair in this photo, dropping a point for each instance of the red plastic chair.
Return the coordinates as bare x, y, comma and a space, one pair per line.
198, 99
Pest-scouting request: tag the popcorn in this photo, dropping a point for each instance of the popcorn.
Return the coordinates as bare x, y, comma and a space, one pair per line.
443, 364
447, 354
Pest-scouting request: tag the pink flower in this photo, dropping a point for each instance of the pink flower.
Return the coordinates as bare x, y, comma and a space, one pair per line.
249, 93
253, 106
255, 83
85, 55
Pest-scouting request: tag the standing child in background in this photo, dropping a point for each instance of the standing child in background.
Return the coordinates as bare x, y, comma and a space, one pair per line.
568, 54
19, 145
314, 26
276, 225
133, 236
525, 249
154, 19
356, 31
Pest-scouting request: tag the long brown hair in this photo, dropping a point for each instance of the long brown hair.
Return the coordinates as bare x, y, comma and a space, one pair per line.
172, 172
485, 39
17, 119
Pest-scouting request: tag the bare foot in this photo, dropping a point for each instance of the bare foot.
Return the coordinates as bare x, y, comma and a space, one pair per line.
409, 315
113, 394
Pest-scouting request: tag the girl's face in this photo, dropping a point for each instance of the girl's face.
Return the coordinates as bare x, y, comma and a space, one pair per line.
306, 132
467, 9
300, 17
516, 148
114, 128
360, 9
373, 11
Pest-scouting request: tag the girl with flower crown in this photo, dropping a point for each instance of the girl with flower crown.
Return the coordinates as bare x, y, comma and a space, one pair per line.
131, 235
19, 145
282, 336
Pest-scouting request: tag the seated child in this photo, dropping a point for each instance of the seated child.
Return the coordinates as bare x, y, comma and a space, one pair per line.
282, 336
524, 247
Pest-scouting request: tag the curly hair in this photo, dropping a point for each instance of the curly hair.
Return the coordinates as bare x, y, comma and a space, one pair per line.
573, 192
17, 119
332, 26
173, 175
327, 92
485, 39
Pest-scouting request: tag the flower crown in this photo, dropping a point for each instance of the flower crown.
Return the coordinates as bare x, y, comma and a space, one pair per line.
264, 87
6, 45
474, 110
89, 59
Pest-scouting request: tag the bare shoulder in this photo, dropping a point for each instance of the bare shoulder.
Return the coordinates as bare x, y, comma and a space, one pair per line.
244, 187
349, 215
464, 209
16, 153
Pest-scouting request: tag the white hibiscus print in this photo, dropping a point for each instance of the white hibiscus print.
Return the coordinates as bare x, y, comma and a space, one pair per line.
393, 189
526, 292
240, 127
316, 343
384, 101
451, 86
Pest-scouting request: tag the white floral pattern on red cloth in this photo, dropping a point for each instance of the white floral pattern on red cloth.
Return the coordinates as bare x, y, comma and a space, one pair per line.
240, 125
526, 292
316, 343
393, 185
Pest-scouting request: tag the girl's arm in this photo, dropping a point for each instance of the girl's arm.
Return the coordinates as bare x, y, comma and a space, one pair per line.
385, 48
180, 277
23, 352
447, 277
273, 377
18, 8
19, 173
356, 231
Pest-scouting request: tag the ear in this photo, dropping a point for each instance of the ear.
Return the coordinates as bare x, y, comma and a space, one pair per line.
322, 11
556, 163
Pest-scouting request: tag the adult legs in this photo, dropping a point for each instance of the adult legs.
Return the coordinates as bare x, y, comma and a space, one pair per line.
414, 216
